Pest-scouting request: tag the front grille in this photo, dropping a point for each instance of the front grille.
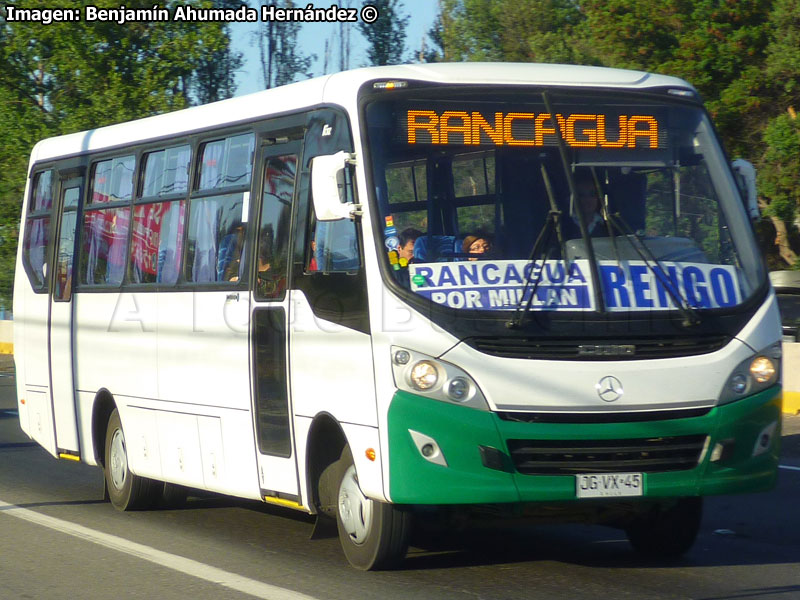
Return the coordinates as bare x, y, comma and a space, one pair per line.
566, 457
604, 417
597, 349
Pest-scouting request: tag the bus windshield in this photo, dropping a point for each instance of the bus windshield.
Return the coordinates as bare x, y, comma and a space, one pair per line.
466, 182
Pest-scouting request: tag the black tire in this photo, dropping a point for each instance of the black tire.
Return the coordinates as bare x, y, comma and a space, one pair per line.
173, 495
125, 490
374, 535
668, 531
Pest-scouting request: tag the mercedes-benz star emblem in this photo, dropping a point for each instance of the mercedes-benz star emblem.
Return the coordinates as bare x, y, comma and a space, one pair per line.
609, 388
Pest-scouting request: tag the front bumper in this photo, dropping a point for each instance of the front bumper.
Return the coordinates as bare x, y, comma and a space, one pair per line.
465, 436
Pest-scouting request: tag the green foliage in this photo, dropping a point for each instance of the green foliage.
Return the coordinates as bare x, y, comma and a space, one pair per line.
386, 36
281, 61
779, 177
67, 77
511, 30
743, 56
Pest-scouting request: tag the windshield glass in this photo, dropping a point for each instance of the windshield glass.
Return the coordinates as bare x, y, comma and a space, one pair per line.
465, 184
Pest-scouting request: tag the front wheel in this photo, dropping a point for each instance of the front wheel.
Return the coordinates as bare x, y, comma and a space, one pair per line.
125, 490
667, 531
374, 535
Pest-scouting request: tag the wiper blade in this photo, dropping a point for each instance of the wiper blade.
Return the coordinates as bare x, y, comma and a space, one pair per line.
599, 301
544, 235
690, 316
553, 222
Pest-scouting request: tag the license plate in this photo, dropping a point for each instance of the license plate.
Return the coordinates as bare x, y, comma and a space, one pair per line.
609, 485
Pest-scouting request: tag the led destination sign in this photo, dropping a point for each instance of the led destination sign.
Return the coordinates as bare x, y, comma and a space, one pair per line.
579, 130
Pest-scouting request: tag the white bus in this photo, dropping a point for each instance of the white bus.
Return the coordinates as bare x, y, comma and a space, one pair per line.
407, 287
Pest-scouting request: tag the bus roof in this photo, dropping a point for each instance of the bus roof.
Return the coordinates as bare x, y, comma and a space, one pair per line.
340, 88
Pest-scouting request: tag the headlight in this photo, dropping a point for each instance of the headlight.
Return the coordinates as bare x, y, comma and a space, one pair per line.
423, 375
763, 369
428, 376
753, 375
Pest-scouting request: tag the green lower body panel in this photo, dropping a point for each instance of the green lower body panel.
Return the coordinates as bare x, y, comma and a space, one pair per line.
481, 469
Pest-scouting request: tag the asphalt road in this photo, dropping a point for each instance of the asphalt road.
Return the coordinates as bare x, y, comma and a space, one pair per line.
58, 539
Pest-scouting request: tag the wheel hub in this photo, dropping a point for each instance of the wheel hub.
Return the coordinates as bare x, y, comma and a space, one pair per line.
118, 459
355, 509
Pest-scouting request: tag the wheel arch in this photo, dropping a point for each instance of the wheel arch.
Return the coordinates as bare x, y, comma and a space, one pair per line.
102, 408
326, 440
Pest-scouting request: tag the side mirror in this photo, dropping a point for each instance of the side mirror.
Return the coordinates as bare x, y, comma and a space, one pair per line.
328, 187
745, 175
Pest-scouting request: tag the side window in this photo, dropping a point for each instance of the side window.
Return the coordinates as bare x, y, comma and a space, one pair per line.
157, 236
37, 230
112, 180
166, 172
66, 243
335, 243
106, 219
218, 211
280, 173
157, 242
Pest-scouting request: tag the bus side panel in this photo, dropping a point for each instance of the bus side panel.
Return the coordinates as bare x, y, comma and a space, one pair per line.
203, 348
116, 343
330, 367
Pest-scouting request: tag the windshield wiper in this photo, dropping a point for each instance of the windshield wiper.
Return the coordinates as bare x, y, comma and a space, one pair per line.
689, 313
552, 222
599, 301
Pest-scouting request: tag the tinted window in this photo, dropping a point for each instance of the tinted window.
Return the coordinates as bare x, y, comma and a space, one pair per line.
216, 239
34, 250
42, 192
273, 237
112, 180
166, 172
157, 242
105, 234
227, 163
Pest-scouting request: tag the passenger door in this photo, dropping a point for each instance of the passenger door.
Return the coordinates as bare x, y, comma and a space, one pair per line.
61, 339
279, 162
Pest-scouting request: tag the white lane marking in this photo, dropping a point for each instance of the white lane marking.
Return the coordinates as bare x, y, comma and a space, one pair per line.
788, 468
164, 559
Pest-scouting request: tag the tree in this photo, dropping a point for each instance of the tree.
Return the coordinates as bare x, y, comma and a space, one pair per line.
742, 56
436, 36
386, 36
779, 173
511, 30
277, 44
214, 78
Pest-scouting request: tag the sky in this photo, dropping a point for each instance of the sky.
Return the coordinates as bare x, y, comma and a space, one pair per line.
312, 37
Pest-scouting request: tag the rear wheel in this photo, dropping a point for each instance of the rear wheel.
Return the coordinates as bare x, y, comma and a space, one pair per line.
668, 531
125, 490
374, 535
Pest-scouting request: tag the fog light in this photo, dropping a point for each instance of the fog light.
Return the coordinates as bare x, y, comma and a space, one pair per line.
762, 369
764, 439
458, 389
424, 375
428, 448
